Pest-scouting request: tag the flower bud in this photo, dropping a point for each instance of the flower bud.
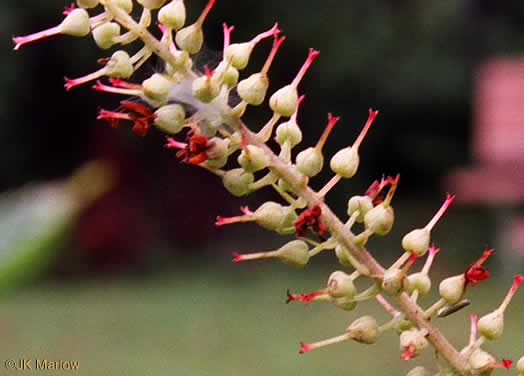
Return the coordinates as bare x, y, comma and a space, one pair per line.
284, 101
190, 38
170, 118
218, 148
418, 282
345, 162
294, 253
173, 15
347, 304
310, 161
452, 289
290, 216
491, 325
342, 256
206, 88
119, 65
151, 4
394, 282
361, 203
288, 131
76, 23
252, 158
270, 215
520, 365
104, 34
229, 73
416, 241
125, 5
253, 89
238, 54
482, 362
379, 220
86, 4
237, 181
341, 285
156, 88
418, 371
413, 342
364, 330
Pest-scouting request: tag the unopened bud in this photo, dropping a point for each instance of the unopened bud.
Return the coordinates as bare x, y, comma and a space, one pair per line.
173, 15
218, 148
228, 72
170, 118
270, 215
347, 304
345, 162
482, 362
341, 285
151, 4
416, 241
413, 342
379, 220
87, 4
310, 161
119, 65
491, 325
190, 38
452, 289
206, 88
418, 371
520, 366
252, 158
284, 101
156, 88
125, 5
104, 34
76, 23
364, 330
294, 253
418, 282
342, 256
394, 281
237, 181
361, 203
238, 54
253, 89
288, 131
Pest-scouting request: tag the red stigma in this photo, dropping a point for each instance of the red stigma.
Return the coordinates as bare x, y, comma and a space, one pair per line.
310, 218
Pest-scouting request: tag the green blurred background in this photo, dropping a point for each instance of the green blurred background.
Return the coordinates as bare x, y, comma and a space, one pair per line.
141, 282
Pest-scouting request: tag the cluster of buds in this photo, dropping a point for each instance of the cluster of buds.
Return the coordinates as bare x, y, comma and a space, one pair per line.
201, 111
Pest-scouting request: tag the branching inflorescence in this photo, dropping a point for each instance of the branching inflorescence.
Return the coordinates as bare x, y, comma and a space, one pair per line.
204, 107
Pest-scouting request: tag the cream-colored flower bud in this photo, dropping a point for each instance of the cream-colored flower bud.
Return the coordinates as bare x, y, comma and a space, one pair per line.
347, 304
156, 88
379, 220
452, 289
270, 215
294, 253
119, 65
288, 131
151, 4
104, 34
364, 330
310, 161
190, 38
345, 162
287, 225
173, 15
170, 118
418, 371
238, 54
341, 254
253, 89
228, 72
413, 340
87, 4
252, 158
125, 5
205, 88
417, 241
341, 285
491, 325
237, 181
520, 366
284, 101
76, 23
394, 282
418, 282
218, 149
482, 362
361, 203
